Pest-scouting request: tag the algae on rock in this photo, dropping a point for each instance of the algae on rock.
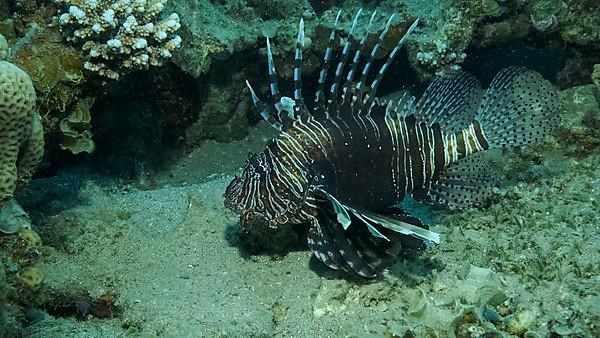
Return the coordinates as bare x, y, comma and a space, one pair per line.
9, 327
596, 76
211, 34
223, 116
579, 132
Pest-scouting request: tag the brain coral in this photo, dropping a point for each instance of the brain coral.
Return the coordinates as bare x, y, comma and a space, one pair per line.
3, 48
21, 141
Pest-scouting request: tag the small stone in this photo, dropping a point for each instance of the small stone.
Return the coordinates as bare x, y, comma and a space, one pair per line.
520, 322
32, 277
491, 315
30, 237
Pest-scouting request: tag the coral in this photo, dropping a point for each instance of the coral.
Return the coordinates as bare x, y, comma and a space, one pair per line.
581, 26
76, 129
55, 69
514, 27
548, 24
3, 47
212, 32
30, 238
57, 73
120, 35
223, 115
577, 69
6, 28
579, 132
491, 8
21, 141
574, 22
440, 55
544, 14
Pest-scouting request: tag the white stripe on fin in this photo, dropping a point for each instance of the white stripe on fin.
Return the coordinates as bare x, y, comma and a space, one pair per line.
272, 72
298, 63
340, 210
264, 109
367, 217
335, 87
402, 227
372, 91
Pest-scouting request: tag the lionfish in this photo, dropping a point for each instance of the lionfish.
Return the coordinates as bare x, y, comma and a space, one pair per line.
344, 167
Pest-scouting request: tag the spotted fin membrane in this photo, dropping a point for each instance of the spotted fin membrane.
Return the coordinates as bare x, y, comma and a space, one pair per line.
342, 165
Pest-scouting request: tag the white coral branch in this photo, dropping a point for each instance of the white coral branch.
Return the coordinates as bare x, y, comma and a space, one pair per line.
120, 35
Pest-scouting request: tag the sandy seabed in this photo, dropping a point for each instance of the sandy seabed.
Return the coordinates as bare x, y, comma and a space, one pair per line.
177, 263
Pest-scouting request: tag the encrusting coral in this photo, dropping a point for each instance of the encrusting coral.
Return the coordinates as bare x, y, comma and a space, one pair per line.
120, 35
21, 140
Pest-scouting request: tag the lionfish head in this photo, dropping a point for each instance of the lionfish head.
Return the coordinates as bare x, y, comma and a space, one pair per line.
255, 197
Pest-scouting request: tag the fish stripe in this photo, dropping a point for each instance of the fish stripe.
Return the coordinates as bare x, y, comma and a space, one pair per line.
334, 90
371, 94
367, 67
272, 74
319, 94
356, 60
299, 101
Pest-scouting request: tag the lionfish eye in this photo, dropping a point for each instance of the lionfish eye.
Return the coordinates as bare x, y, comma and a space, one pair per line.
256, 162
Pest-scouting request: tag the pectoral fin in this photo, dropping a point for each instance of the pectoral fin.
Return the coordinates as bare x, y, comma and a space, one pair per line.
362, 242
340, 210
406, 226
401, 226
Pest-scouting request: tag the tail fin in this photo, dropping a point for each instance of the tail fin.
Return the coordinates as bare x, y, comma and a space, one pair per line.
519, 108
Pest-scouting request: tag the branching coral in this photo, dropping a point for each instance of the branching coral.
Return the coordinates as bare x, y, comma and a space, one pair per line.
120, 35
21, 141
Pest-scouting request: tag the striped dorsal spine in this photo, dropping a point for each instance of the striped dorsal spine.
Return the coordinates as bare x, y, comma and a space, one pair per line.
342, 166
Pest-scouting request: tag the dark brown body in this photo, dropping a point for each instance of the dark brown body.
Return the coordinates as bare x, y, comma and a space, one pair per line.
358, 161
342, 166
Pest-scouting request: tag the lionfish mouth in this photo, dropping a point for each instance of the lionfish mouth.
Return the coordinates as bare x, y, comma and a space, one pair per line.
248, 217
231, 196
